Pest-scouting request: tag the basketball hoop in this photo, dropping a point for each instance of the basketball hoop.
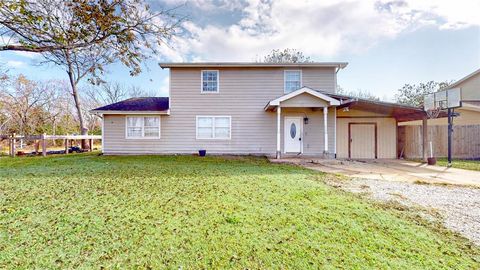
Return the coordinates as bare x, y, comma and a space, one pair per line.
447, 99
433, 113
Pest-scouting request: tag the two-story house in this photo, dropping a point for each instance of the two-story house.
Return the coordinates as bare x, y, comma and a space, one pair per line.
254, 108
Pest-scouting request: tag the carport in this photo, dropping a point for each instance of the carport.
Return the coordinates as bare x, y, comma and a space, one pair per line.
375, 123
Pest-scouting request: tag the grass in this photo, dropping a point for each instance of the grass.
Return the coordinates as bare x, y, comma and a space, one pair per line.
152, 212
461, 164
466, 164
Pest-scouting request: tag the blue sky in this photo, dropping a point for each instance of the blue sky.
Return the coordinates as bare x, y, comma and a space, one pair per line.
387, 43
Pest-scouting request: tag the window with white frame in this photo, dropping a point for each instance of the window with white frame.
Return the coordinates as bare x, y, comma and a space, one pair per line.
210, 81
213, 127
293, 80
143, 127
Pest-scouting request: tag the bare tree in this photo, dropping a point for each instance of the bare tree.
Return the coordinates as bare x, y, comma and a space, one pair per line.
413, 94
136, 91
24, 105
286, 56
362, 94
111, 92
58, 104
3, 86
85, 36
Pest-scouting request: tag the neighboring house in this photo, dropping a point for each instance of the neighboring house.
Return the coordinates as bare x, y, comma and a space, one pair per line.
254, 108
466, 135
469, 112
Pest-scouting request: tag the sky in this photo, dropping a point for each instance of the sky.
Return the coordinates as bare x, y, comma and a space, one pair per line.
386, 43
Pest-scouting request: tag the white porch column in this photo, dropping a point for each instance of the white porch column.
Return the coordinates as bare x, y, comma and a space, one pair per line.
325, 128
279, 113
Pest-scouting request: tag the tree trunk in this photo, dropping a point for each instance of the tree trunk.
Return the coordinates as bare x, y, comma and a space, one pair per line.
78, 106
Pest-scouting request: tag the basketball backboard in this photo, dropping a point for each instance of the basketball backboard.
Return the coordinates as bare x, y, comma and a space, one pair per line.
429, 102
445, 99
454, 98
441, 99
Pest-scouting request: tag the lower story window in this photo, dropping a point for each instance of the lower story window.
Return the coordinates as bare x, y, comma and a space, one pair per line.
143, 127
214, 127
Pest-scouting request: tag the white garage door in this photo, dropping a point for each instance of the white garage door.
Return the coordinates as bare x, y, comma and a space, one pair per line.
363, 140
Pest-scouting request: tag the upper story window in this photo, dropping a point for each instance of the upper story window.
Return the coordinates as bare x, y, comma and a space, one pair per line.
292, 80
210, 80
143, 127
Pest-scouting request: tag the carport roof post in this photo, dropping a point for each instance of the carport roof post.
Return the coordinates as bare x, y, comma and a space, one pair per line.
425, 138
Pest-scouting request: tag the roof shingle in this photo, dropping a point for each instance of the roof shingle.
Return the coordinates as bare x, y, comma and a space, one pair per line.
138, 104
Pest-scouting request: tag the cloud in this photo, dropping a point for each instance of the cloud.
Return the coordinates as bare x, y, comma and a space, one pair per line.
208, 5
321, 29
15, 64
450, 14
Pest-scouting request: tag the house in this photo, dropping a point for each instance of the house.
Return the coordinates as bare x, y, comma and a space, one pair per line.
254, 108
466, 134
469, 112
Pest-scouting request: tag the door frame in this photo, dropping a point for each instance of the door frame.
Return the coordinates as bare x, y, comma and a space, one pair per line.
284, 133
350, 136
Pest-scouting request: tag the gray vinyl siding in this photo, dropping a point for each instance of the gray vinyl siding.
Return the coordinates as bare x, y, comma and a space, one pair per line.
243, 94
304, 101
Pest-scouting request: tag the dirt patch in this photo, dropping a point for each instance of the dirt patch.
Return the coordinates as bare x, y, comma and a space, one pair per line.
458, 208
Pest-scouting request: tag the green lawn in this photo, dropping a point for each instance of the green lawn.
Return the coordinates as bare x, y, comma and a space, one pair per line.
151, 212
461, 164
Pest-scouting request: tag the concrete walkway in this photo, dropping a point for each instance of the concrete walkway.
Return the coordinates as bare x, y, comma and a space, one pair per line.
390, 170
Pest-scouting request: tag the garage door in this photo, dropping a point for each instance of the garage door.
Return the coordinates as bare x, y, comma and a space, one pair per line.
363, 137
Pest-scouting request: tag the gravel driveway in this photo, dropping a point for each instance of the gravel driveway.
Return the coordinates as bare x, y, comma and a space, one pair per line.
459, 206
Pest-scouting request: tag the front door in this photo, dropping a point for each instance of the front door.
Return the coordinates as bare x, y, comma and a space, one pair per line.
293, 134
363, 137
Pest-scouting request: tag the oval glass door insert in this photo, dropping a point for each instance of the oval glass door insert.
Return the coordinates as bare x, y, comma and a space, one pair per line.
293, 130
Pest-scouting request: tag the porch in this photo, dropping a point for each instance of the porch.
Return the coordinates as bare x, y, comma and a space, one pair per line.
305, 123
318, 124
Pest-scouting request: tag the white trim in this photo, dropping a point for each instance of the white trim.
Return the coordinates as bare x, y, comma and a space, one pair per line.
201, 81
335, 133
325, 129
143, 128
339, 65
213, 127
330, 100
167, 112
285, 79
301, 134
470, 107
335, 117
169, 89
279, 131
103, 133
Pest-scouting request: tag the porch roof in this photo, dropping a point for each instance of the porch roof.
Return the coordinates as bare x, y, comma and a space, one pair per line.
400, 112
304, 90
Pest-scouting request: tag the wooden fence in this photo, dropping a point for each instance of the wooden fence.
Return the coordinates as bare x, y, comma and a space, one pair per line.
465, 143
41, 141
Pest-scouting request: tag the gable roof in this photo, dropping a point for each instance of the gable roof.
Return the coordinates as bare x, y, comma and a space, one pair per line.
457, 83
140, 104
338, 65
276, 102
